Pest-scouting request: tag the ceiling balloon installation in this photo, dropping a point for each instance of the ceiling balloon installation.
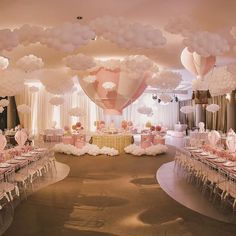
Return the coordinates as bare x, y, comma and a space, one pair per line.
128, 35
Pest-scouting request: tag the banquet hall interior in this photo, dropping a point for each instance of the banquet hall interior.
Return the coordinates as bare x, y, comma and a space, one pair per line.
118, 118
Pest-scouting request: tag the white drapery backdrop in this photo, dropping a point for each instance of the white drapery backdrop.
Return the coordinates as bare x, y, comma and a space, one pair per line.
43, 114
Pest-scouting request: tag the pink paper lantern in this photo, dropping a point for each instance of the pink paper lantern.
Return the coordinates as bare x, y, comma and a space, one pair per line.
196, 64
125, 91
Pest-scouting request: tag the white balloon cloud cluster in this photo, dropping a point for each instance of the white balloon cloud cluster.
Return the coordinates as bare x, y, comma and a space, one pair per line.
4, 102
76, 111
67, 37
187, 109
79, 62
213, 108
166, 98
207, 44
165, 80
126, 34
145, 110
8, 39
28, 34
184, 25
56, 101
220, 81
135, 67
23, 108
90, 149
4, 63
30, 63
33, 89
57, 81
150, 151
1, 109
200, 84
11, 82
109, 86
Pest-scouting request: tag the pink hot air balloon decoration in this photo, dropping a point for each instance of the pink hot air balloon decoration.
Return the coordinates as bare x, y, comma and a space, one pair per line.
124, 92
197, 64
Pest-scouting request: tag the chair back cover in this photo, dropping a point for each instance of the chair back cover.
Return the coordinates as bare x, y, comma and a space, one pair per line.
213, 137
3, 142
21, 137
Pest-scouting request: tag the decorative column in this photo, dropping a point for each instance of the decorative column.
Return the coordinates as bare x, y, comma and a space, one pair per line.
231, 111
200, 114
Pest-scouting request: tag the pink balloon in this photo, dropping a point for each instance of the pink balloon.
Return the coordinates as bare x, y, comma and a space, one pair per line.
113, 102
197, 64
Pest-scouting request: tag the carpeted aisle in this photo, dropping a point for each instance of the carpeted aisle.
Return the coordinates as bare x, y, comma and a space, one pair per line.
108, 196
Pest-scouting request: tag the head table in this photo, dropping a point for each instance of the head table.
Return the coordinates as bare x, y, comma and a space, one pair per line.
116, 141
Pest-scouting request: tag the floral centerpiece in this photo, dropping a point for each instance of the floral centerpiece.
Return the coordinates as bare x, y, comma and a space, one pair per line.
77, 127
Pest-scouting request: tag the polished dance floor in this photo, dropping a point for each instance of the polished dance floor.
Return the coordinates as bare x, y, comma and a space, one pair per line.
108, 196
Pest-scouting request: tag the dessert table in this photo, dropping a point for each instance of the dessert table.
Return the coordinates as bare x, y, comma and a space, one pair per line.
116, 141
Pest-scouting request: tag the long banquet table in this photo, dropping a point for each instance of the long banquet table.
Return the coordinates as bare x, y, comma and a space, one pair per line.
220, 171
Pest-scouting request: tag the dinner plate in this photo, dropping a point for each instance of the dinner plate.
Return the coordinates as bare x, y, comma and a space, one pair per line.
40, 149
229, 164
211, 157
220, 160
26, 155
197, 151
4, 165
191, 148
13, 161
204, 154
20, 158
